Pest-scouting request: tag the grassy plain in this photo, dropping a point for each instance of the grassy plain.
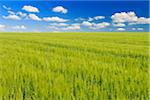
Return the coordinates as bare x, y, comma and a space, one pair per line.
74, 66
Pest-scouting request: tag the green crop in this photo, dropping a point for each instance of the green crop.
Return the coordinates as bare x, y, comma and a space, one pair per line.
74, 66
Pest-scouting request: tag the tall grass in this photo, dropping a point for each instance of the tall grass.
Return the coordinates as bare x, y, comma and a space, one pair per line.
74, 66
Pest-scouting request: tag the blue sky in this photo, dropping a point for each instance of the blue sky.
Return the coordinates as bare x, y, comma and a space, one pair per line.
56, 16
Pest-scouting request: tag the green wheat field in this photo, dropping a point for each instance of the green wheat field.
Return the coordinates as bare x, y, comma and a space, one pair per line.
74, 66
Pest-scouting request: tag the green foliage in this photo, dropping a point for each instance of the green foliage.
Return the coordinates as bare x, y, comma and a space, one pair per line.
74, 66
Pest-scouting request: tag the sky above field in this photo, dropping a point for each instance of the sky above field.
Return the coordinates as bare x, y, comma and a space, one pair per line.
73, 16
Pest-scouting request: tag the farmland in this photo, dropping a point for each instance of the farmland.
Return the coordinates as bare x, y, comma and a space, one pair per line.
74, 66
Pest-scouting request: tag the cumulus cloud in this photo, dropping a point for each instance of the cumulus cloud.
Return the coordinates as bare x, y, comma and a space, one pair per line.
2, 26
119, 25
141, 20
80, 19
86, 23
34, 17
13, 17
53, 28
58, 24
120, 29
133, 29
100, 25
17, 13
22, 27
139, 29
96, 18
124, 17
90, 19
21, 14
11, 12
99, 17
54, 19
95, 25
64, 27
60, 9
29, 8
5, 7
129, 17
72, 27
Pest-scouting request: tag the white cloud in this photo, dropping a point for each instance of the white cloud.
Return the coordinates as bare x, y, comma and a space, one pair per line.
76, 26
11, 12
86, 23
58, 24
140, 29
100, 25
30, 8
53, 28
95, 25
90, 19
22, 27
2, 26
132, 23
129, 17
80, 19
120, 29
96, 18
119, 25
60, 9
124, 17
64, 27
72, 27
5, 7
62, 24
54, 19
34, 17
13, 17
21, 14
133, 29
99, 17
141, 20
